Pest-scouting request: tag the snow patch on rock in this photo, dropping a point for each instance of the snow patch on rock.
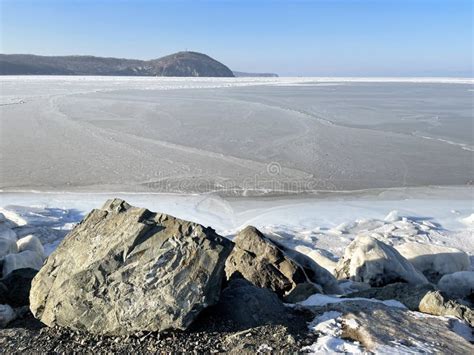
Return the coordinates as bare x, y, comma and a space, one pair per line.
369, 260
458, 285
329, 326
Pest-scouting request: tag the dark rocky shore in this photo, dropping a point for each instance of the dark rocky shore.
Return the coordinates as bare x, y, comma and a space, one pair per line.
207, 335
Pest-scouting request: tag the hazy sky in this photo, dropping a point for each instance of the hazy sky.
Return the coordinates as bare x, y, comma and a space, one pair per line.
326, 37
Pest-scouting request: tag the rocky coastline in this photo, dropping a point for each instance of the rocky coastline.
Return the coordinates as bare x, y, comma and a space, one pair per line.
127, 279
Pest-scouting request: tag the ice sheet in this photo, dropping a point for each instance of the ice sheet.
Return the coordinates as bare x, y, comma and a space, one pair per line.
243, 136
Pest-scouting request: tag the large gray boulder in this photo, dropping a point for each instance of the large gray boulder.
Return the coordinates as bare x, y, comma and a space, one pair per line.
125, 269
265, 264
369, 260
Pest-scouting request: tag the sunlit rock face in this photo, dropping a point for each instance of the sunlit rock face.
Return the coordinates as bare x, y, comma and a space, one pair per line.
125, 269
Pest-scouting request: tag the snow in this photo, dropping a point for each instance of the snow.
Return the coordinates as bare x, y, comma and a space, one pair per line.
469, 220
434, 261
392, 216
458, 285
367, 259
180, 82
7, 246
320, 300
21, 260
31, 242
329, 327
303, 223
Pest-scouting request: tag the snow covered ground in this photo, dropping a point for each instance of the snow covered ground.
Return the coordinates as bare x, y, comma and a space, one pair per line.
317, 226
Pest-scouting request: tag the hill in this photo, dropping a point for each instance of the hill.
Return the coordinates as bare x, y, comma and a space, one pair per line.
178, 64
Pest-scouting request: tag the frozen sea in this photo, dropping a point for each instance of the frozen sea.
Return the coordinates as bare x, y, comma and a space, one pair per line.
235, 136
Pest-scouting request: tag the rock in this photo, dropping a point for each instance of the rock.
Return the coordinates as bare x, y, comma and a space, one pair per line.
436, 303
7, 314
369, 260
302, 292
23, 260
125, 269
31, 242
3, 293
265, 264
409, 295
247, 306
383, 329
7, 246
18, 284
458, 285
349, 286
434, 261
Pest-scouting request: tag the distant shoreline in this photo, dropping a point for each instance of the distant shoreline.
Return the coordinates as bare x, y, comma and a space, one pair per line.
282, 79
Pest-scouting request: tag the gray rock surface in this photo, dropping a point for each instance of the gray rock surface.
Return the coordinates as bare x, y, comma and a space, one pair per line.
3, 293
265, 264
423, 298
436, 303
247, 306
302, 292
7, 314
409, 295
383, 329
18, 285
369, 260
125, 269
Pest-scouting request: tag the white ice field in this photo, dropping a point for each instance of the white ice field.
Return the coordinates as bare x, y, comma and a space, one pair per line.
235, 136
310, 161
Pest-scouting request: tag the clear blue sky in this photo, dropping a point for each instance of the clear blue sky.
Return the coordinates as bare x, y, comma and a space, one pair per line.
326, 37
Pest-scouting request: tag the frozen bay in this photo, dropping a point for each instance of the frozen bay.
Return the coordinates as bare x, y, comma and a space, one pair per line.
235, 136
